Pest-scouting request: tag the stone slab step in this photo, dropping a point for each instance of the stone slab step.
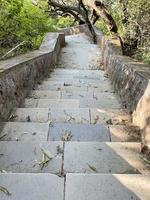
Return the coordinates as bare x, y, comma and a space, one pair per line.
69, 80
112, 187
81, 95
23, 157
100, 103
18, 131
32, 186
106, 158
108, 116
62, 85
78, 38
123, 133
51, 103
80, 58
76, 95
104, 87
79, 132
39, 94
47, 86
75, 72
77, 115
84, 74
46, 94
71, 103
71, 76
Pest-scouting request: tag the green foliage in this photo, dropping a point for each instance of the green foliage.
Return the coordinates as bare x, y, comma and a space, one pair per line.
64, 22
133, 21
20, 20
100, 24
34, 23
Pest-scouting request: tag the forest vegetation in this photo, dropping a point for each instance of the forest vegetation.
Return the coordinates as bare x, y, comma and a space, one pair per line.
25, 22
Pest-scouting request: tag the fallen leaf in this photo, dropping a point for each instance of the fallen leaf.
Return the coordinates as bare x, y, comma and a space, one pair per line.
70, 117
46, 157
106, 75
67, 84
12, 117
1, 137
147, 161
93, 168
28, 118
96, 119
59, 150
4, 190
109, 122
67, 136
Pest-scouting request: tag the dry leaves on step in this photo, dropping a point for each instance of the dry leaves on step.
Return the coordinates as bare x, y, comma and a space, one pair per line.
70, 118
67, 136
4, 190
28, 119
12, 117
147, 162
109, 121
67, 84
93, 168
1, 137
81, 95
106, 75
96, 119
59, 150
46, 157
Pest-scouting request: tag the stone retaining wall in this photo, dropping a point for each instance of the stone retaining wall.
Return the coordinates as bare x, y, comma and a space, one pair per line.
20, 74
131, 79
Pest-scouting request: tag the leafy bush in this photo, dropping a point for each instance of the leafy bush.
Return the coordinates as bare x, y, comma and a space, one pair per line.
100, 24
20, 20
64, 22
133, 21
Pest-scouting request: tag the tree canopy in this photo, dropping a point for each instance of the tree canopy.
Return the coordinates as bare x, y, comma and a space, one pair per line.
29, 20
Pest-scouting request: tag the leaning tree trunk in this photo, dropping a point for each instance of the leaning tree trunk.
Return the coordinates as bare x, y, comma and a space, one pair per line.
99, 8
79, 12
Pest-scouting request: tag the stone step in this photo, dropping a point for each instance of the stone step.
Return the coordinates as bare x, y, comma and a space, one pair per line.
99, 104
106, 158
46, 94
104, 87
77, 115
78, 132
46, 85
71, 103
74, 77
78, 38
70, 80
76, 95
75, 72
51, 103
81, 95
32, 186
66, 84
79, 74
109, 116
40, 94
77, 44
107, 187
24, 157
80, 58
18, 131
123, 133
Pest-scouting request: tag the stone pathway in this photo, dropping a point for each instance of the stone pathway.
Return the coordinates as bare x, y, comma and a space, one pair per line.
68, 141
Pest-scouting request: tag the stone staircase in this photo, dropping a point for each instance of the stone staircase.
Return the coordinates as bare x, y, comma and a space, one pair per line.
65, 143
